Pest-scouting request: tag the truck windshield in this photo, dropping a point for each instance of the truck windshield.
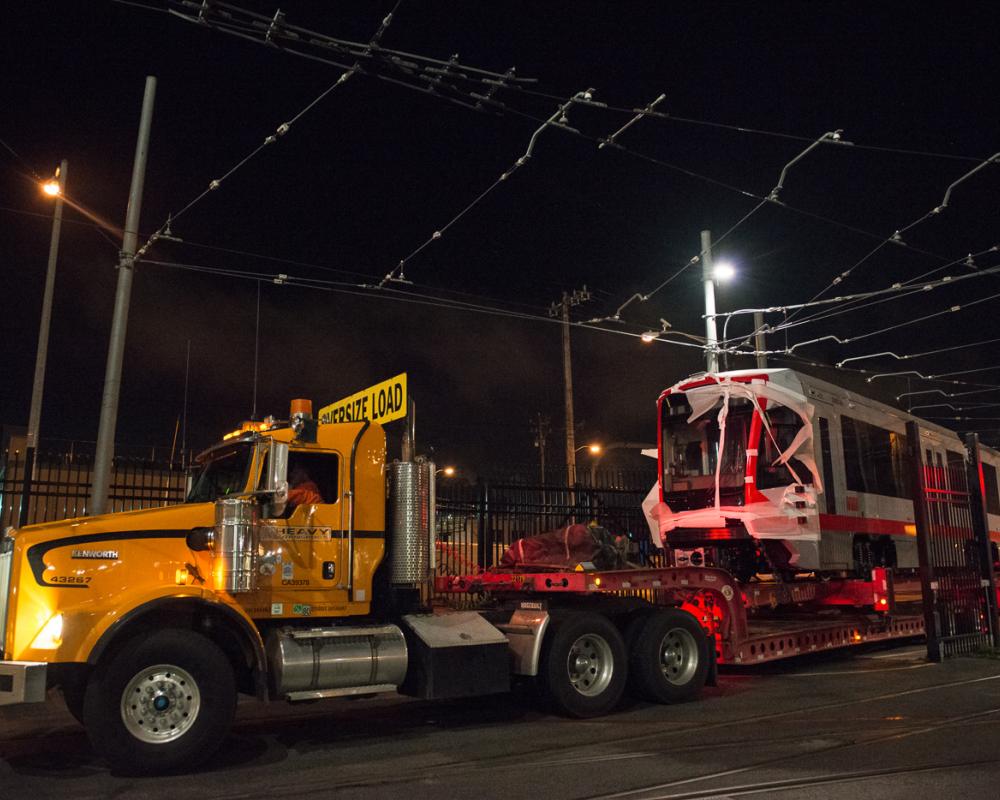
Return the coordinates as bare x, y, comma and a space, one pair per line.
224, 472
691, 449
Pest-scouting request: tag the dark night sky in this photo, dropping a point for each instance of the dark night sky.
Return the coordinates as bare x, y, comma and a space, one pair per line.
368, 174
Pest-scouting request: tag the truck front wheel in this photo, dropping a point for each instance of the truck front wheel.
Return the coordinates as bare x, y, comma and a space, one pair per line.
669, 656
164, 701
584, 665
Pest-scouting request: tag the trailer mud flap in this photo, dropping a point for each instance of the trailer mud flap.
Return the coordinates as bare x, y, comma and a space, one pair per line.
454, 655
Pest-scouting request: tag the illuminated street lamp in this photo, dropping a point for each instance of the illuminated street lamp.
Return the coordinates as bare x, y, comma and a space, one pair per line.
593, 448
710, 275
55, 187
449, 472
600, 452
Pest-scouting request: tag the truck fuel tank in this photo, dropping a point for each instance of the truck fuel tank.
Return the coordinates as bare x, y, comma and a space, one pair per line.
310, 663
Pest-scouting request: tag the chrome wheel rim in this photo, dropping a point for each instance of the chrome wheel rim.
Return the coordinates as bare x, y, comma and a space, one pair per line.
678, 656
590, 665
160, 704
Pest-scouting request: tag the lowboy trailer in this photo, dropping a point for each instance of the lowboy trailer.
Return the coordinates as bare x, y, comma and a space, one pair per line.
743, 623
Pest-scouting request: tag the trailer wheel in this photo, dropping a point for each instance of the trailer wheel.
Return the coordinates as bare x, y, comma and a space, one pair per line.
669, 658
164, 701
584, 665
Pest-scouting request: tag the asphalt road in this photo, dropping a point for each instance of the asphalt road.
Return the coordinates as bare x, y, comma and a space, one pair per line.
880, 723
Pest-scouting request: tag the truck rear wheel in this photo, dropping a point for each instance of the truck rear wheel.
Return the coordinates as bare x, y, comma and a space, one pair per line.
668, 658
163, 702
584, 665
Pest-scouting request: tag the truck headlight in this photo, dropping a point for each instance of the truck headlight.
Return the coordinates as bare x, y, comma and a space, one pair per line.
50, 636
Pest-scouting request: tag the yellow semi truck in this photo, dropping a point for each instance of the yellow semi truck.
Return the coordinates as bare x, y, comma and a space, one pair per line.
152, 622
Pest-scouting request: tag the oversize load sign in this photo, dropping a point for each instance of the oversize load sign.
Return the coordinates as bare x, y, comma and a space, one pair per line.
381, 403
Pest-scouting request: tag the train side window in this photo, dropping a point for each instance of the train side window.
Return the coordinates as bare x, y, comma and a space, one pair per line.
827, 454
853, 471
875, 459
992, 489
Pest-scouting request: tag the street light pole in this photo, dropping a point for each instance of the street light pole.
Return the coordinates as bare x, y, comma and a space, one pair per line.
711, 334
38, 388
116, 347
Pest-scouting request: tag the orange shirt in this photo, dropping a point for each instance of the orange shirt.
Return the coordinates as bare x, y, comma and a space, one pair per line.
306, 493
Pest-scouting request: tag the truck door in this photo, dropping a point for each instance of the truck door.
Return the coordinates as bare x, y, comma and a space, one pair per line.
303, 559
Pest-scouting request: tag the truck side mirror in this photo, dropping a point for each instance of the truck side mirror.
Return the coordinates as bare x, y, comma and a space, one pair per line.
276, 479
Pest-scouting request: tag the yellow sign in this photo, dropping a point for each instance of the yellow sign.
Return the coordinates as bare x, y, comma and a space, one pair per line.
380, 403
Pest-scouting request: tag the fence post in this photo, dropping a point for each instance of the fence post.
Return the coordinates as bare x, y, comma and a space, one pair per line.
484, 540
918, 490
981, 530
26, 476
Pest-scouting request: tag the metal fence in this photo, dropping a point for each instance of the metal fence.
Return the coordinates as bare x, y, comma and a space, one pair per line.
477, 523
60, 485
956, 566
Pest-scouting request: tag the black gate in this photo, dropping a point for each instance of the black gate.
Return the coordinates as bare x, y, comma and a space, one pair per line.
956, 564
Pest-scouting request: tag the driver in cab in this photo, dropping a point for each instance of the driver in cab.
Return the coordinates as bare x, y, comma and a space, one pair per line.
302, 489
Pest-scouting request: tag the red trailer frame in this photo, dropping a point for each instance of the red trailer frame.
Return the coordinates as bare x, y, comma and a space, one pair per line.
749, 623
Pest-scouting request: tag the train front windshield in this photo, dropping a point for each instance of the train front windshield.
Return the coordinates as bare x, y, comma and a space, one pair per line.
691, 452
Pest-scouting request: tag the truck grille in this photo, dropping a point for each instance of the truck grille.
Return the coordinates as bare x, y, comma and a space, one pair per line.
6, 563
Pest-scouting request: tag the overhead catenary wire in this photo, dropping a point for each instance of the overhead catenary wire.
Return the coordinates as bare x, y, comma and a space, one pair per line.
558, 119
932, 377
897, 236
370, 291
908, 356
277, 27
899, 289
950, 310
772, 197
851, 304
165, 229
666, 116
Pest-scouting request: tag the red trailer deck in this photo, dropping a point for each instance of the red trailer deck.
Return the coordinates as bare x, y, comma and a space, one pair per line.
749, 623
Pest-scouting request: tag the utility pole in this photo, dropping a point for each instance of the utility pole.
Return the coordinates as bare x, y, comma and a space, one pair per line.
540, 428
711, 334
758, 339
116, 347
38, 388
556, 310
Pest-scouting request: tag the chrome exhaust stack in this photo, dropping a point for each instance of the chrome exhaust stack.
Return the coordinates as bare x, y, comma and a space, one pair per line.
412, 532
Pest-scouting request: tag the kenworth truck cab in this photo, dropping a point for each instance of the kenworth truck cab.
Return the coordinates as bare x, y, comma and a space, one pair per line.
152, 622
